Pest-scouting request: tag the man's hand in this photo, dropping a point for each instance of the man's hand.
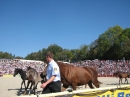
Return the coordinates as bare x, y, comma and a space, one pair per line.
43, 85
49, 81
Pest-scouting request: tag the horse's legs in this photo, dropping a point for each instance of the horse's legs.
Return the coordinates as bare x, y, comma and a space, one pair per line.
96, 84
126, 80
94, 79
21, 85
74, 86
63, 89
31, 85
90, 84
24, 84
85, 85
119, 80
35, 86
26, 88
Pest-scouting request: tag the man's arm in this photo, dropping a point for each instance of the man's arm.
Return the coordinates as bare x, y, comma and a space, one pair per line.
49, 81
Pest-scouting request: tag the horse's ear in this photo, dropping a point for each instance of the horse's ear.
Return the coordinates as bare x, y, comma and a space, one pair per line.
16, 67
29, 67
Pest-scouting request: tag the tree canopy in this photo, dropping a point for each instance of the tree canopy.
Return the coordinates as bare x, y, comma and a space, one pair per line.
113, 44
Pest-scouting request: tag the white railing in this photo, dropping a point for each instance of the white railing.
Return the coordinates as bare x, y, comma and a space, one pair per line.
85, 92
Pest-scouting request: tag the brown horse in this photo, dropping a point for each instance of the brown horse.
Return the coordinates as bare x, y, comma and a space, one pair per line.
121, 75
94, 79
76, 76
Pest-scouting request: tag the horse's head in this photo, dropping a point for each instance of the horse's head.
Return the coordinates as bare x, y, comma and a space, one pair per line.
116, 73
29, 71
129, 75
28, 68
43, 74
16, 71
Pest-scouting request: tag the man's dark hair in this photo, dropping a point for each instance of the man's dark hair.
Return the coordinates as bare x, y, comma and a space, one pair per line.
49, 54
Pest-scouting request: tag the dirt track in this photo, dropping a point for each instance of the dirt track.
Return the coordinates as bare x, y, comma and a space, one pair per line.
10, 86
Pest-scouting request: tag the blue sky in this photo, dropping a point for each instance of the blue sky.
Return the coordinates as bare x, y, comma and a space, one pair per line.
30, 25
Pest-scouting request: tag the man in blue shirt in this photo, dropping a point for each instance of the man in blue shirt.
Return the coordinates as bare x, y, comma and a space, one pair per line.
53, 83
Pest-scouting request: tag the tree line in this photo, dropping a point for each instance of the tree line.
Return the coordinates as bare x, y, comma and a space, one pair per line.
113, 44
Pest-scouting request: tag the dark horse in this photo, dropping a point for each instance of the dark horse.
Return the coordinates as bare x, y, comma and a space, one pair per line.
34, 77
23, 77
76, 76
121, 75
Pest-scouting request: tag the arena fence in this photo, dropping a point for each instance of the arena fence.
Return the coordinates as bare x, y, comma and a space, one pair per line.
7, 75
115, 91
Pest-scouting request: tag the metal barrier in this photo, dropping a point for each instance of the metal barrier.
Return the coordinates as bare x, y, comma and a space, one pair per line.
115, 91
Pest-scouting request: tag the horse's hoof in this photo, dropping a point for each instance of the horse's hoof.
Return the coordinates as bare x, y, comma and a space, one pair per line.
69, 90
37, 95
24, 93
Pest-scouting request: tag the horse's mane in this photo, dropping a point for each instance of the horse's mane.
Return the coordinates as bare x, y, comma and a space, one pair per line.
18, 68
29, 68
63, 64
120, 71
34, 70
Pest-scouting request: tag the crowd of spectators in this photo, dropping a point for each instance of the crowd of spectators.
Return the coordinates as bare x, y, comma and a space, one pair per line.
7, 66
103, 67
106, 67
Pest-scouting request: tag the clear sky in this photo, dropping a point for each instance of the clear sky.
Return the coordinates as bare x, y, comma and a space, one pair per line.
30, 25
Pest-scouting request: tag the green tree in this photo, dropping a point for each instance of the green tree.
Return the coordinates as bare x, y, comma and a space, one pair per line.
92, 54
5, 55
114, 43
75, 55
125, 43
83, 52
54, 49
109, 40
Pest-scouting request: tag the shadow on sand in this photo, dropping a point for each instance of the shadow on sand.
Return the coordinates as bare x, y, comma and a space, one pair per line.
29, 92
117, 84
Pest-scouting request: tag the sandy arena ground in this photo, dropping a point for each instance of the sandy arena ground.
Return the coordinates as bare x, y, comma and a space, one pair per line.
10, 85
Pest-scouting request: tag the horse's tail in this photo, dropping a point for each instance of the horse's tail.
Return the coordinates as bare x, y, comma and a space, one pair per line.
100, 82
